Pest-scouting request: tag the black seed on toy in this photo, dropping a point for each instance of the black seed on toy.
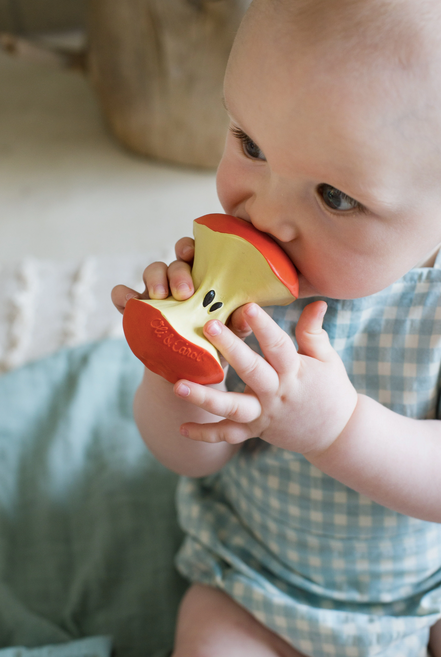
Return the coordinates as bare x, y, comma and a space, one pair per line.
216, 306
208, 298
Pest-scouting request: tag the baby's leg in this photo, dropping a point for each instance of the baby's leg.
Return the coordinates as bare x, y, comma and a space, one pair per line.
435, 639
211, 624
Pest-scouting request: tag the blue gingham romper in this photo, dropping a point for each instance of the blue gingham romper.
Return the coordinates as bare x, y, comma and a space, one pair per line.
327, 569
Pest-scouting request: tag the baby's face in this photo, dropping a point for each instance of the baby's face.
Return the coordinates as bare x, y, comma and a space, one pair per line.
340, 164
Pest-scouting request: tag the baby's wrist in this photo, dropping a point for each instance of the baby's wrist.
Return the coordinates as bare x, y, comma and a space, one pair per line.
322, 453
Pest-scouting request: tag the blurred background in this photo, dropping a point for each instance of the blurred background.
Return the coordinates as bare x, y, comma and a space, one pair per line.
69, 187
111, 127
27, 16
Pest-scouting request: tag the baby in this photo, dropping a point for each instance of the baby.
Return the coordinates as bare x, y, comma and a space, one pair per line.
312, 496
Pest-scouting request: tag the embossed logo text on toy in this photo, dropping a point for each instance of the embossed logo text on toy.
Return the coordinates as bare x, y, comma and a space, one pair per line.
175, 342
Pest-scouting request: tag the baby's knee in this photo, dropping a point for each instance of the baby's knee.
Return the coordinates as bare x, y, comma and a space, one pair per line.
191, 618
211, 624
204, 625
435, 640
180, 652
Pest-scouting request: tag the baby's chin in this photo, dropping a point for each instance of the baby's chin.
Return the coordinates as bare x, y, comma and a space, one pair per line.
306, 289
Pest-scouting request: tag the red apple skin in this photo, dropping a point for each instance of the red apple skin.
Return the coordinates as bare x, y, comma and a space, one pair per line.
163, 350
276, 258
166, 352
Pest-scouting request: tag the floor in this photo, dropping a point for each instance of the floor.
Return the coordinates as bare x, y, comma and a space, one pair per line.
68, 190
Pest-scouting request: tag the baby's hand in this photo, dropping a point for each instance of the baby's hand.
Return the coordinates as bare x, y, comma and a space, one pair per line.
299, 401
160, 280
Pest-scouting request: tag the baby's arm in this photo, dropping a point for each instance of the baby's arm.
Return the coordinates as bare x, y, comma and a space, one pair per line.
158, 411
390, 458
159, 414
304, 402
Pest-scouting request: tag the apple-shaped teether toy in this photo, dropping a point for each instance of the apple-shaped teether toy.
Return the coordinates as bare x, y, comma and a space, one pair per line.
234, 263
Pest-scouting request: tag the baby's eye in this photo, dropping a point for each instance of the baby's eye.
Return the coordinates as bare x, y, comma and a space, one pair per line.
337, 200
250, 148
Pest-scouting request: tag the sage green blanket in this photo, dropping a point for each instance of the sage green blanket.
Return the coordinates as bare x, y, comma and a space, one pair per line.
88, 529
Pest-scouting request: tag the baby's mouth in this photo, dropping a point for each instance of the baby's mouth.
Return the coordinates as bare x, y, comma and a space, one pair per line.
283, 246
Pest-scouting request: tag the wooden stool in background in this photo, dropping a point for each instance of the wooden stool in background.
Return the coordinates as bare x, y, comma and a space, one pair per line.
157, 67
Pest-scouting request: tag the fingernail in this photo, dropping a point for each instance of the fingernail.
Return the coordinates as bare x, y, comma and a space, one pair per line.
184, 432
187, 250
252, 310
183, 288
213, 328
182, 390
323, 310
130, 295
159, 291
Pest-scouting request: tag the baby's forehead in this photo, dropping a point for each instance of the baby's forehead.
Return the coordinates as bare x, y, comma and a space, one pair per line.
407, 31
385, 45
356, 83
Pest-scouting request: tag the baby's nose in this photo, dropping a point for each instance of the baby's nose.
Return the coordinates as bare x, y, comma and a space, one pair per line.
271, 219
281, 229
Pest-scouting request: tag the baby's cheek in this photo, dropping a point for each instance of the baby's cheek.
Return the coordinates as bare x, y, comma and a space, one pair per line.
230, 183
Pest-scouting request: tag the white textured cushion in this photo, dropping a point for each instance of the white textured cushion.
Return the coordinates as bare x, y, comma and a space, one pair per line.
46, 305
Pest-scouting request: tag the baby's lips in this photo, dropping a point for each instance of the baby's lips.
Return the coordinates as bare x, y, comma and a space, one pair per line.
163, 350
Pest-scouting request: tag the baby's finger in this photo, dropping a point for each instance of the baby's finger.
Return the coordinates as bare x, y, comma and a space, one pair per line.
180, 280
217, 432
312, 339
276, 345
156, 281
184, 249
252, 368
230, 405
121, 294
238, 324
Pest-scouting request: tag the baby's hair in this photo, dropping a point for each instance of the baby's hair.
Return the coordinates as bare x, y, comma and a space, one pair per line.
401, 29
392, 45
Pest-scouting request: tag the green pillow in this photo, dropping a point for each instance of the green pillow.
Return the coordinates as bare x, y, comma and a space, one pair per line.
88, 529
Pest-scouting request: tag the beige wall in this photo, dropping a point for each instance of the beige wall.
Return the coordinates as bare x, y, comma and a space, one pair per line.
26, 16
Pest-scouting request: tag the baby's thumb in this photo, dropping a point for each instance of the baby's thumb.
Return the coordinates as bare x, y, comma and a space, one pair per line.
121, 294
312, 339
238, 324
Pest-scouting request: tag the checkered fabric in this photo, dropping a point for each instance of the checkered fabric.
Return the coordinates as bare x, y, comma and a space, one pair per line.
327, 569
